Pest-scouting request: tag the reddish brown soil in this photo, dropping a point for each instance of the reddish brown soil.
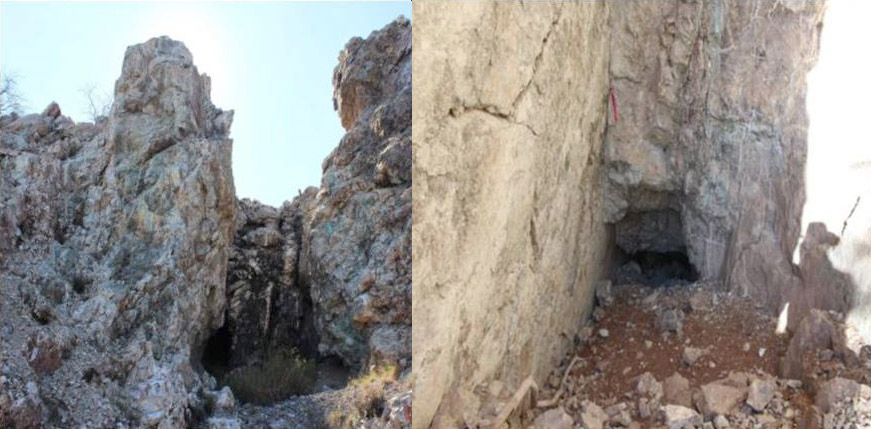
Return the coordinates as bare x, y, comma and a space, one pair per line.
722, 330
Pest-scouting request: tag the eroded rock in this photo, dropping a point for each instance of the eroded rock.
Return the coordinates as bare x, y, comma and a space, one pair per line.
356, 247
118, 240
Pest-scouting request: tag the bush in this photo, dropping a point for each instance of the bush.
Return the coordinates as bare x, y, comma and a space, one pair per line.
285, 373
364, 396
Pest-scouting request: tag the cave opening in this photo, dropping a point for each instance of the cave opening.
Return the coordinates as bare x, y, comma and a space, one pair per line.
651, 250
217, 352
270, 373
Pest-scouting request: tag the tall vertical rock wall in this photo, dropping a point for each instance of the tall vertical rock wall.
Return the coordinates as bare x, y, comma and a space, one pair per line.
113, 248
331, 270
356, 248
713, 130
508, 239
515, 176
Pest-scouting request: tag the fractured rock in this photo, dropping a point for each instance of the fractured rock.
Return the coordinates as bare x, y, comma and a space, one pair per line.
123, 229
761, 392
719, 398
356, 249
679, 417
555, 418
593, 416
676, 390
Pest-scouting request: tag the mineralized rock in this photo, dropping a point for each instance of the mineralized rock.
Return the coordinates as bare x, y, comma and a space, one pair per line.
268, 308
679, 417
703, 160
720, 398
115, 240
356, 247
555, 418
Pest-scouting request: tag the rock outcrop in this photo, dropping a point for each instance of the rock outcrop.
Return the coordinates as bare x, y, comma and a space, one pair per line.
329, 272
709, 149
508, 240
114, 247
267, 305
356, 246
518, 187
123, 247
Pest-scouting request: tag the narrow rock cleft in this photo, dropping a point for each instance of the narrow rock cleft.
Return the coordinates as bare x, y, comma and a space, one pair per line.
128, 265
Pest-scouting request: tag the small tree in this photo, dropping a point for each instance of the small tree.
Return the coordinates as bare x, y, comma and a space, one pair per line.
98, 105
10, 99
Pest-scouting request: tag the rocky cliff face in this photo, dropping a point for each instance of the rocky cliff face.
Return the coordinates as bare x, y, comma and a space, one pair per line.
709, 149
516, 180
123, 247
508, 239
356, 247
115, 240
330, 270
267, 305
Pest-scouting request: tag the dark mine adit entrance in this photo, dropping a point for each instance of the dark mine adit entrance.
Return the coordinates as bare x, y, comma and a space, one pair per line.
266, 367
278, 373
650, 249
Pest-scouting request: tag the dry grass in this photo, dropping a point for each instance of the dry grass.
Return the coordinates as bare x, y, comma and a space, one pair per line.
285, 373
365, 396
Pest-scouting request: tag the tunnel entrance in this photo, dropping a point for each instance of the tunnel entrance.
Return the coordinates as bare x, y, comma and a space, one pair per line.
651, 250
270, 374
216, 353
655, 269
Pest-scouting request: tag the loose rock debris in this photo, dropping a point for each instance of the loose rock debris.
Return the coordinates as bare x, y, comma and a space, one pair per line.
691, 357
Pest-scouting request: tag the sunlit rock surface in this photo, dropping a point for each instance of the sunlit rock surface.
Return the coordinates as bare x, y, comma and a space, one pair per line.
114, 248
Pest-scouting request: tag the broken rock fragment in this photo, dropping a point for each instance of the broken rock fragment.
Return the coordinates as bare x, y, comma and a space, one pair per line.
555, 418
719, 398
760, 394
680, 417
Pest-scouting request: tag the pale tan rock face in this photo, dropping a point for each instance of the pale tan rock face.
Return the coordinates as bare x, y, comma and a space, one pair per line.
508, 238
713, 126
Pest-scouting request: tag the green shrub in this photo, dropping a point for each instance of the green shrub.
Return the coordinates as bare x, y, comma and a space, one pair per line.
283, 374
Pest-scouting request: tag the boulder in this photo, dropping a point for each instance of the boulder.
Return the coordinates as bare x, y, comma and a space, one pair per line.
676, 390
717, 398
555, 418
679, 417
593, 416
835, 390
761, 392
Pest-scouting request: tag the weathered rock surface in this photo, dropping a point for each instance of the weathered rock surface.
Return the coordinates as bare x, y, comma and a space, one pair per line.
679, 417
122, 251
115, 243
554, 419
329, 272
267, 306
356, 246
720, 398
509, 111
705, 159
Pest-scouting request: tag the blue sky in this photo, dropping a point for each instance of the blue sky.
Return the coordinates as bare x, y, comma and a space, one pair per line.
271, 62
